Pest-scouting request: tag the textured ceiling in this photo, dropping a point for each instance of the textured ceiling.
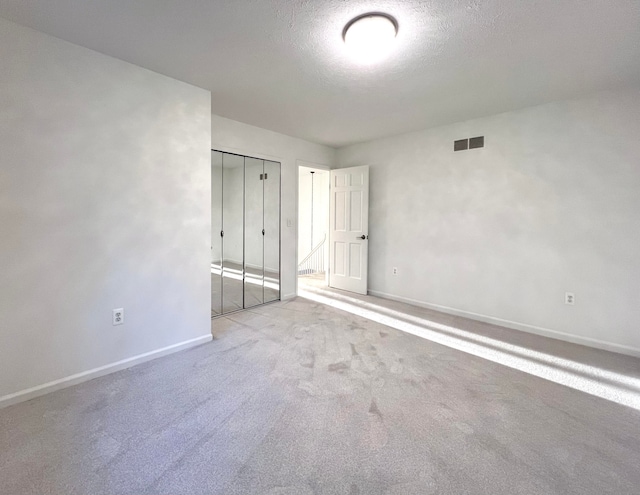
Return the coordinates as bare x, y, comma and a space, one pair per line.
281, 64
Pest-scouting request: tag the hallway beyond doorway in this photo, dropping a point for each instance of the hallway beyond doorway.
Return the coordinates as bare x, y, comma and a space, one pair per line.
313, 220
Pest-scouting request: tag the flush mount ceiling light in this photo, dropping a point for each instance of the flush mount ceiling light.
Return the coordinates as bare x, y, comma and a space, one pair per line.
370, 37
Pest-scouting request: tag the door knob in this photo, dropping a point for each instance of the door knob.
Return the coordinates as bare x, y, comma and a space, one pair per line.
363, 237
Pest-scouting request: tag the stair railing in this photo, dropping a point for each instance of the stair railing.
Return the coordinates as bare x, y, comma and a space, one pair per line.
314, 261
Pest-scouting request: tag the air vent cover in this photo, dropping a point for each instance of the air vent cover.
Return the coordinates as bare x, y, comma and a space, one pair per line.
460, 144
476, 142
468, 144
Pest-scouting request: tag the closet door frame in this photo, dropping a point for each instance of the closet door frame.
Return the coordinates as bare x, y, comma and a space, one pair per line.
269, 159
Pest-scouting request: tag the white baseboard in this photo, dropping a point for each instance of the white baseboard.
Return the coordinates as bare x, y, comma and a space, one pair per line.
545, 332
288, 296
68, 381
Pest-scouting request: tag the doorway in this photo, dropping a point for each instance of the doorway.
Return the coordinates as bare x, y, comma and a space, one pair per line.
313, 226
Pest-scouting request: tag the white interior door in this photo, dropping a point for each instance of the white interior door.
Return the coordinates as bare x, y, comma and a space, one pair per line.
348, 230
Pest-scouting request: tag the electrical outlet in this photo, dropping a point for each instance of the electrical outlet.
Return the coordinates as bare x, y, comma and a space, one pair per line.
395, 270
569, 298
289, 222
118, 316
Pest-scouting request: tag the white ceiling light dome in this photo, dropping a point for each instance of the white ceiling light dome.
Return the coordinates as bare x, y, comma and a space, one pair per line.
370, 38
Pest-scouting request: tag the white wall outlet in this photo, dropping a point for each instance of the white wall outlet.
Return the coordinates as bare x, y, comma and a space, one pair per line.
118, 316
289, 222
395, 271
569, 298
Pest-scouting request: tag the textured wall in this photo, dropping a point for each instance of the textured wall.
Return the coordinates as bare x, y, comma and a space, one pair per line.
236, 137
104, 204
550, 205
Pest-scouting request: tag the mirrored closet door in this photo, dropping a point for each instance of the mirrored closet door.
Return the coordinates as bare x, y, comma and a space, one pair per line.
253, 232
216, 228
271, 231
245, 243
232, 237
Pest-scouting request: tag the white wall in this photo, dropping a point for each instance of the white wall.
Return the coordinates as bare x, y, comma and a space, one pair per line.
550, 205
236, 137
104, 203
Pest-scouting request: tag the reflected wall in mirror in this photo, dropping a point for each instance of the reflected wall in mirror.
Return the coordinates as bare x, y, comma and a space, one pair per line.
216, 228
